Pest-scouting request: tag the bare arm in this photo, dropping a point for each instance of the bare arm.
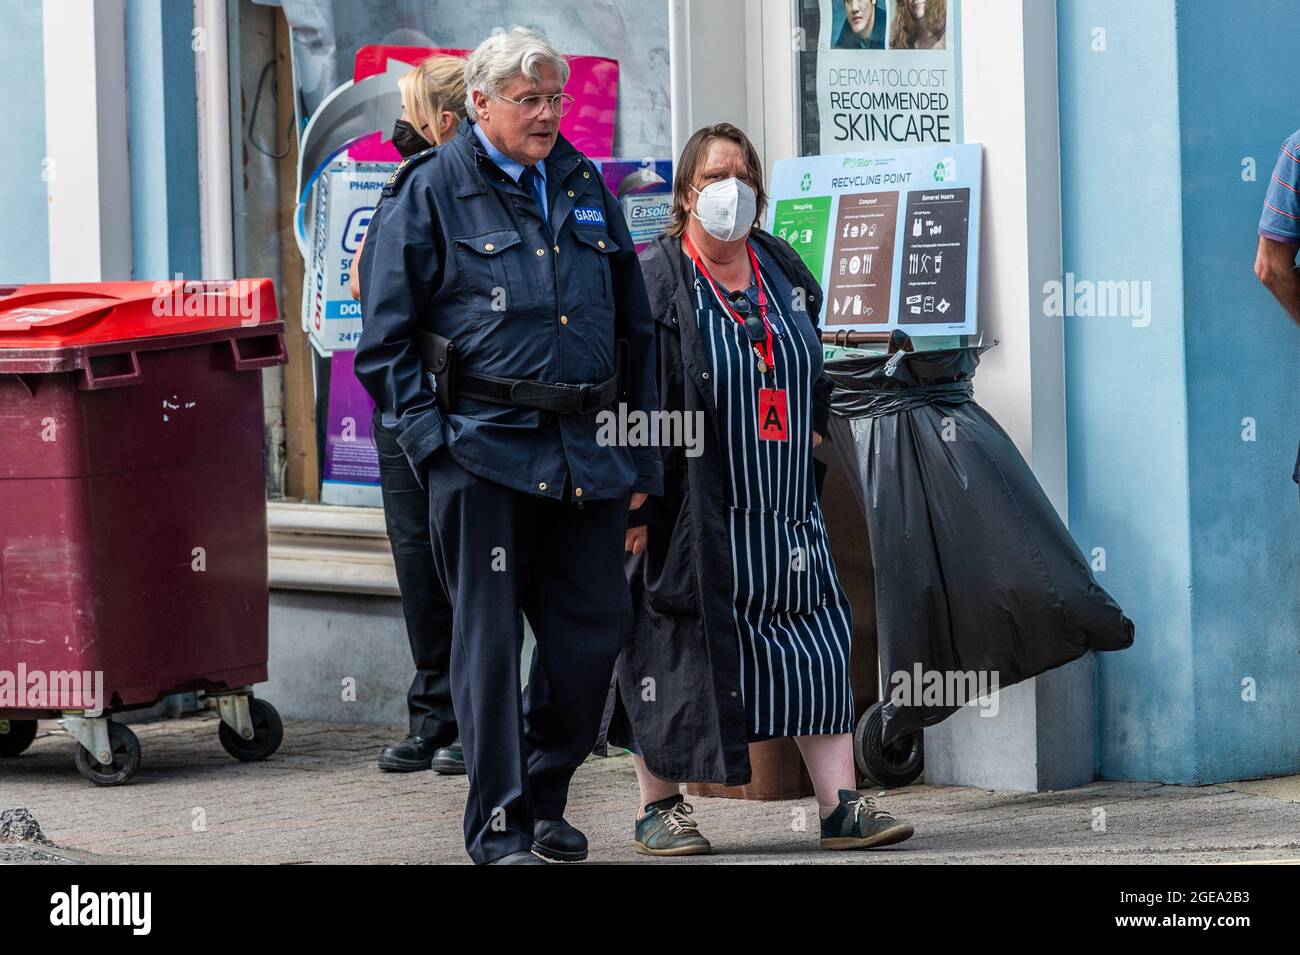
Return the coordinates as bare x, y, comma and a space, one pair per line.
1275, 266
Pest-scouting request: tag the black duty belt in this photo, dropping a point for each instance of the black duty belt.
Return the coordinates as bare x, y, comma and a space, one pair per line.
440, 359
560, 398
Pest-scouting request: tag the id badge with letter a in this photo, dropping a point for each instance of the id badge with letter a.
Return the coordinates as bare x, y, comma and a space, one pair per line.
773, 418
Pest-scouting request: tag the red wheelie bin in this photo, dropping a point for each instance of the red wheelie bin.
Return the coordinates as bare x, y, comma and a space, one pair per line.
133, 511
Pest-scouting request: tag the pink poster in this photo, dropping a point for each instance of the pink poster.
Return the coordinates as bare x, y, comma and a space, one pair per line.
589, 125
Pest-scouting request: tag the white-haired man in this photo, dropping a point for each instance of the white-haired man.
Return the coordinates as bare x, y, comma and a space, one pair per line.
501, 253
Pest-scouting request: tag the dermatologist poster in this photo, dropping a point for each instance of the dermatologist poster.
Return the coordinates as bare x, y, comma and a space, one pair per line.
888, 73
892, 235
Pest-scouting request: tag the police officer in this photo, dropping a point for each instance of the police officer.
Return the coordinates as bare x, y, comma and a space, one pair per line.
502, 254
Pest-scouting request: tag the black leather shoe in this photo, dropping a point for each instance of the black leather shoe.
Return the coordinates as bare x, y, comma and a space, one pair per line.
522, 857
410, 755
450, 760
556, 839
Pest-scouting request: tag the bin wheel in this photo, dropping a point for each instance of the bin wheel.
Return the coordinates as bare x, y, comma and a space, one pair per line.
125, 746
898, 764
16, 736
268, 732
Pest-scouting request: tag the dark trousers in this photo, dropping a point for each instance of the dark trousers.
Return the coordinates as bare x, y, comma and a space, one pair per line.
497, 551
424, 602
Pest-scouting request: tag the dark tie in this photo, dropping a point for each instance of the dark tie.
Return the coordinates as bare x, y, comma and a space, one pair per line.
532, 181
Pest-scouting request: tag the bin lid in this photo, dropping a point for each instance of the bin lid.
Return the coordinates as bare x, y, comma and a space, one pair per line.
46, 327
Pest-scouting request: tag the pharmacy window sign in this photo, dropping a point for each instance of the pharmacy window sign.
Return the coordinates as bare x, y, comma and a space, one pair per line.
893, 236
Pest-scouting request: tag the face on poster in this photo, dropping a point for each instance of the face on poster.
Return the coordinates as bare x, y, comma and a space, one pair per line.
892, 235
887, 73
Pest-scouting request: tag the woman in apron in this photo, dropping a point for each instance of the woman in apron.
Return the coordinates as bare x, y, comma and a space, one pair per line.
741, 626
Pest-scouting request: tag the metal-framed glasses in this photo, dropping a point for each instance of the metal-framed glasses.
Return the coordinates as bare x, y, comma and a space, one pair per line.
534, 105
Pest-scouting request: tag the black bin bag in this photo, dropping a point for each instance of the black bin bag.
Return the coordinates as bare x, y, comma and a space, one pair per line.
975, 572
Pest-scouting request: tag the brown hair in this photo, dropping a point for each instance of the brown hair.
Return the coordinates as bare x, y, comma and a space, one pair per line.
435, 86
903, 36
693, 155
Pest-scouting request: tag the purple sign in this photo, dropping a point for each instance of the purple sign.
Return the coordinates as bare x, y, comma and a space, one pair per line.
351, 462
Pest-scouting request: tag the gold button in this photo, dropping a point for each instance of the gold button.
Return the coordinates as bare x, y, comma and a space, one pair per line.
601, 243
585, 174
577, 492
564, 319
541, 486
488, 246
557, 250
570, 193
541, 251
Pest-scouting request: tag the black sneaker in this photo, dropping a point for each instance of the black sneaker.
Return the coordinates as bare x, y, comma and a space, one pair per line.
410, 755
667, 829
859, 823
450, 760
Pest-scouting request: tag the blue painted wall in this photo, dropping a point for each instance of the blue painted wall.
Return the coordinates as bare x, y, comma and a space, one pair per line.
1199, 528
25, 236
163, 125
1243, 360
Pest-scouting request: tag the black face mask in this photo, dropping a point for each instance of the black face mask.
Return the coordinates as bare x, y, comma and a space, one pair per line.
407, 139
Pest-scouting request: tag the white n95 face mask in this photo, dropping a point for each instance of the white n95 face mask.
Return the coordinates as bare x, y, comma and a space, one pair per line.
726, 209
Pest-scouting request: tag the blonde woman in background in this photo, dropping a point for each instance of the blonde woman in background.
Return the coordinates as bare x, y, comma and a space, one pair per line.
433, 104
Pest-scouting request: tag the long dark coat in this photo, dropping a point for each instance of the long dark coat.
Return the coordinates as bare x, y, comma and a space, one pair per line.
679, 676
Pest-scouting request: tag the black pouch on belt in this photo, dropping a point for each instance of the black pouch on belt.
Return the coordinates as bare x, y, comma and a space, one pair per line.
439, 357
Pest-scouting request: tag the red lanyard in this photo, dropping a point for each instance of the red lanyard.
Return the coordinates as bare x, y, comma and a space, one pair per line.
764, 352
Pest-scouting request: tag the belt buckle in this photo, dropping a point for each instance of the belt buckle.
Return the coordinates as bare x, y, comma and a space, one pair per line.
585, 399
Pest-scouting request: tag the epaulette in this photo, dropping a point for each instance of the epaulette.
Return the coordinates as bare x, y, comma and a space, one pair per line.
404, 168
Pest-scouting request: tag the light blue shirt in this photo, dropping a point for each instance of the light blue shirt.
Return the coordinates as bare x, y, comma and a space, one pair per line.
511, 168
1281, 219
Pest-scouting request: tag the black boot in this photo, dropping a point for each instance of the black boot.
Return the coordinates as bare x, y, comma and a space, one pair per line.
450, 760
523, 857
410, 755
556, 839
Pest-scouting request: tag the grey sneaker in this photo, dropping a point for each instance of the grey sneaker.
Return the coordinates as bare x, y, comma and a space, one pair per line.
667, 829
859, 823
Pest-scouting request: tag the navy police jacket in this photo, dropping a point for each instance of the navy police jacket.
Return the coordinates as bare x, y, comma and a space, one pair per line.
457, 247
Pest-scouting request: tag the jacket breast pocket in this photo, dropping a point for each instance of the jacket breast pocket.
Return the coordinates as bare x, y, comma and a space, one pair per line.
493, 280
595, 248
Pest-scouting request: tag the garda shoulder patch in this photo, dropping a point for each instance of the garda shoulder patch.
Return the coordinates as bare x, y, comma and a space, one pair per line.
588, 215
394, 183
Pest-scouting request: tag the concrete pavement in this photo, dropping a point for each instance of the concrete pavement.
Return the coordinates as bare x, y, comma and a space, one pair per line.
321, 799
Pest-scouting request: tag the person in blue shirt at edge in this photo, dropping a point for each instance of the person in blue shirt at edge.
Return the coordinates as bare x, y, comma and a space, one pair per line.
433, 106
1279, 238
506, 242
864, 26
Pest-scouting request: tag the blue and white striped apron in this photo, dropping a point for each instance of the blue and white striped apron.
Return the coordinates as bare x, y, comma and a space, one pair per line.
793, 621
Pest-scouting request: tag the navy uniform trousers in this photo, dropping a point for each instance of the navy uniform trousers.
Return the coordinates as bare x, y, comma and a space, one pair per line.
498, 550
424, 603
